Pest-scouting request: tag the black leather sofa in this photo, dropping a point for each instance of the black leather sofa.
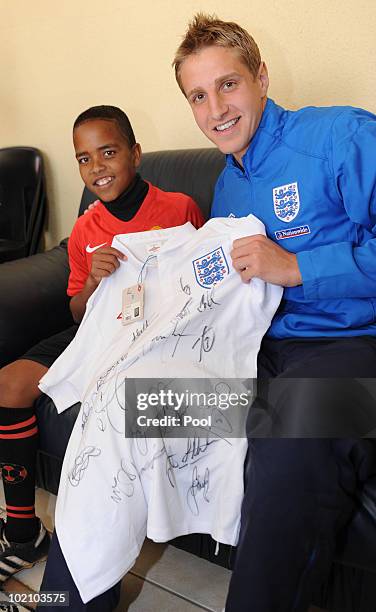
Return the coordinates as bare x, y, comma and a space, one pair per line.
34, 305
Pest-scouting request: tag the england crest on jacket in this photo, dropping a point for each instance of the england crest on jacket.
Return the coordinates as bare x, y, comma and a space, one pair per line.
286, 202
211, 269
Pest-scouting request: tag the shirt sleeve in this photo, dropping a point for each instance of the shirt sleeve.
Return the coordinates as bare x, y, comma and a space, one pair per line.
77, 263
194, 214
348, 269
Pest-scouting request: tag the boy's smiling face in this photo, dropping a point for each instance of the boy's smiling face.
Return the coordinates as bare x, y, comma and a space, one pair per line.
107, 163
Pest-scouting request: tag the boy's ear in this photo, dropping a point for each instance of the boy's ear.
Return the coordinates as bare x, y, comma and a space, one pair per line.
136, 155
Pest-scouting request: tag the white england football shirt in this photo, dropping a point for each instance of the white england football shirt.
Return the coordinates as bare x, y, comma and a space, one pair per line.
200, 321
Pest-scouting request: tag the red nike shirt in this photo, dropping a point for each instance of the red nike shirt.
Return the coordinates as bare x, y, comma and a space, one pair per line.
159, 210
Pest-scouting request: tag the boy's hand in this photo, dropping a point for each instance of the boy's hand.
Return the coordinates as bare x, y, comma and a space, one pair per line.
258, 256
104, 262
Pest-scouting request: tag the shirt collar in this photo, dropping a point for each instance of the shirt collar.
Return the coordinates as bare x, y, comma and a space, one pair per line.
267, 133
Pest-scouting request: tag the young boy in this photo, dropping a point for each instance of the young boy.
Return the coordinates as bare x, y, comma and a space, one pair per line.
309, 177
108, 158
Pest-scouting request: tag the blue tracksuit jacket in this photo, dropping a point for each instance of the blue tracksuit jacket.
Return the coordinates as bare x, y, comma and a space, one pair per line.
310, 176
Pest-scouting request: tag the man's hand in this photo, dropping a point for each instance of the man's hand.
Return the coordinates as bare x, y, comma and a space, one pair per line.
91, 206
258, 256
104, 262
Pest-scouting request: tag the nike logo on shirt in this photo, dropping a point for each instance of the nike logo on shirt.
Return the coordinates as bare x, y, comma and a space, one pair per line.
90, 249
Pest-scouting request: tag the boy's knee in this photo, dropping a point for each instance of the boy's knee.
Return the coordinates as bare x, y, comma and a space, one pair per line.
19, 385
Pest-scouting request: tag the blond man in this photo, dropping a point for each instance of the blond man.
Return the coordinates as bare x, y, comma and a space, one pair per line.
308, 176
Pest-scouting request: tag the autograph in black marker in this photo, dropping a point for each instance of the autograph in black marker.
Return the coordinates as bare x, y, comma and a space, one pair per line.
205, 341
81, 464
199, 485
185, 287
123, 483
207, 301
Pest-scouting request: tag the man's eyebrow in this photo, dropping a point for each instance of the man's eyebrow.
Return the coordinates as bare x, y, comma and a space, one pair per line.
110, 145
224, 77
195, 90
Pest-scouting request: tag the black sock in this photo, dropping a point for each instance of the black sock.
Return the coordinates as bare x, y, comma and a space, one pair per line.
18, 451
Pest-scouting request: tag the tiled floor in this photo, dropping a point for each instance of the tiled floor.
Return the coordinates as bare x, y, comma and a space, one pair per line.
163, 578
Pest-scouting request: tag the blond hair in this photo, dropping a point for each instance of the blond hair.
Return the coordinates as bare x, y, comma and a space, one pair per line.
207, 30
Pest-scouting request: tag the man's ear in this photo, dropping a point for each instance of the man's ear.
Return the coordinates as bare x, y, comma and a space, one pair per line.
136, 155
263, 78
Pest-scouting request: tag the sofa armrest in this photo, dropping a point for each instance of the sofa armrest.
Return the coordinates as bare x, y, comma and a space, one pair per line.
33, 300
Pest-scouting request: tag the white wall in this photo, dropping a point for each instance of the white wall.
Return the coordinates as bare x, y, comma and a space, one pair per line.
58, 58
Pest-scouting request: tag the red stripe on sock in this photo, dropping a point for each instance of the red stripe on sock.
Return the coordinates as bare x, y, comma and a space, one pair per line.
21, 516
24, 434
19, 425
20, 508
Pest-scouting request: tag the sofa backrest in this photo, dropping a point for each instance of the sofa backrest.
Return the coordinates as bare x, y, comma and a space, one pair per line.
191, 171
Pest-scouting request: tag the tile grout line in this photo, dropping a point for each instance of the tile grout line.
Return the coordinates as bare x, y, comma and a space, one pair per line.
168, 590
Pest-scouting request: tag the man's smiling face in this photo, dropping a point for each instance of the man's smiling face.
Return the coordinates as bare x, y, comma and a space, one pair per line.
226, 99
